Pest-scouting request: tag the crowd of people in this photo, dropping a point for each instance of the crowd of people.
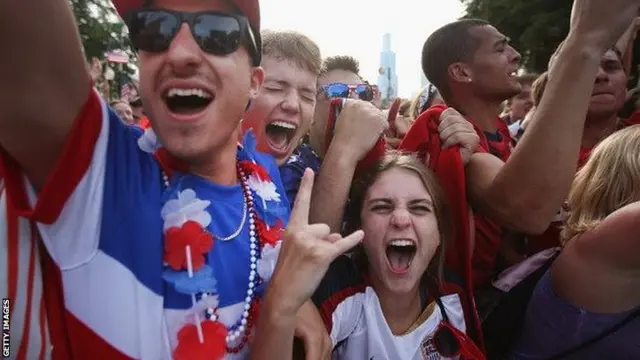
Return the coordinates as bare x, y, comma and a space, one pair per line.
252, 200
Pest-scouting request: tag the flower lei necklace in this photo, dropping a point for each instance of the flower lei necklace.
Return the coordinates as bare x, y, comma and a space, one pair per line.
188, 242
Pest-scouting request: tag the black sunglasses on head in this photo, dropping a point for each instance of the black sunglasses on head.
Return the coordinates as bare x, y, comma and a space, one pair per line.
153, 30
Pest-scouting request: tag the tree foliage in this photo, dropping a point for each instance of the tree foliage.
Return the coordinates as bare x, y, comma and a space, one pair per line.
536, 27
101, 30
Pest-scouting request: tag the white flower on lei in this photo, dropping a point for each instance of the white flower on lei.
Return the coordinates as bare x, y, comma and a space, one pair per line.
200, 307
265, 189
149, 141
268, 260
186, 207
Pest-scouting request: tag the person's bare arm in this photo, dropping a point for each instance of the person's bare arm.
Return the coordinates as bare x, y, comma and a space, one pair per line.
625, 45
331, 191
44, 82
615, 241
357, 130
599, 270
526, 192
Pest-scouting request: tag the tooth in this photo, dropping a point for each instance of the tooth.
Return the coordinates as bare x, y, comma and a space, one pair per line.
401, 243
188, 92
284, 125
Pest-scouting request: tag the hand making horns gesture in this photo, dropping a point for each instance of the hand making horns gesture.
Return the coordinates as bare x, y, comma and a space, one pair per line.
307, 251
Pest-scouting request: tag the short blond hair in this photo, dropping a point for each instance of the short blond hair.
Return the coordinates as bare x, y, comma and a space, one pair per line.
292, 46
609, 181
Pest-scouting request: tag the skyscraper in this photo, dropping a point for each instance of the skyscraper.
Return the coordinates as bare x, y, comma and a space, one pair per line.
423, 80
387, 78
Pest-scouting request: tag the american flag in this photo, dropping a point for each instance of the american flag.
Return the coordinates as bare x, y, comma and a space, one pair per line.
117, 56
125, 91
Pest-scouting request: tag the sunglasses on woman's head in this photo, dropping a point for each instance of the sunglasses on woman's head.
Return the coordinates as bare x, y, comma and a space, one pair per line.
153, 30
341, 90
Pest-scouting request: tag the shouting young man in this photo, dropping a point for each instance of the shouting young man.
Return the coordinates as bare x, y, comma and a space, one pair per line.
282, 113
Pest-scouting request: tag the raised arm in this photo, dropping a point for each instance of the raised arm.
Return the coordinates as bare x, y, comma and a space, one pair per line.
357, 129
526, 192
305, 256
625, 44
44, 82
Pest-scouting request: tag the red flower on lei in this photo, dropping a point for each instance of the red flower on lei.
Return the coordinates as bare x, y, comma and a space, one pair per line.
271, 235
214, 346
176, 239
256, 169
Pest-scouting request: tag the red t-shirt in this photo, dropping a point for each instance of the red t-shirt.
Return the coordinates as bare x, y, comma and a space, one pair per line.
488, 232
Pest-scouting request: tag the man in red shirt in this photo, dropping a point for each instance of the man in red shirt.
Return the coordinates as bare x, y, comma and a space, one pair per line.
474, 67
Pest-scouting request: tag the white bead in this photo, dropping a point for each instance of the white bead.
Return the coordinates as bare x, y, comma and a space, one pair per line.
240, 329
252, 246
245, 314
253, 266
252, 233
252, 252
252, 277
243, 321
246, 308
250, 292
252, 227
252, 273
253, 259
247, 299
251, 285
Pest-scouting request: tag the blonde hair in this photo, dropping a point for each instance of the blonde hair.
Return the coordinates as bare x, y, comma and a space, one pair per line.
398, 160
423, 100
537, 88
609, 180
292, 46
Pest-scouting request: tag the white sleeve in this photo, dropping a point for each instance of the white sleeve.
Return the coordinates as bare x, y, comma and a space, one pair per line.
345, 317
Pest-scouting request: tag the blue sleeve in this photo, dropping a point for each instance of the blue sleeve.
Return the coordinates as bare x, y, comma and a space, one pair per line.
291, 175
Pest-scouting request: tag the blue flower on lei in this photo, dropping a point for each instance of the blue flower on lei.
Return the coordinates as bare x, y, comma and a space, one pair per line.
249, 144
202, 281
273, 212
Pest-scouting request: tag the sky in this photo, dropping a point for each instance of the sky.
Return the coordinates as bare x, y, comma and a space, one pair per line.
355, 28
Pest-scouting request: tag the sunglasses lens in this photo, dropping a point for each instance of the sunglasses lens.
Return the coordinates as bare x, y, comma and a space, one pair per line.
217, 34
338, 91
365, 92
446, 342
153, 31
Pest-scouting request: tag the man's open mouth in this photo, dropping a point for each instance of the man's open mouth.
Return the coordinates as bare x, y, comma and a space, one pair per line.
187, 101
280, 134
400, 254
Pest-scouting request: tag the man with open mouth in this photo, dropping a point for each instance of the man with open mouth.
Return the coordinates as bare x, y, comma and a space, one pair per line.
155, 245
282, 113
